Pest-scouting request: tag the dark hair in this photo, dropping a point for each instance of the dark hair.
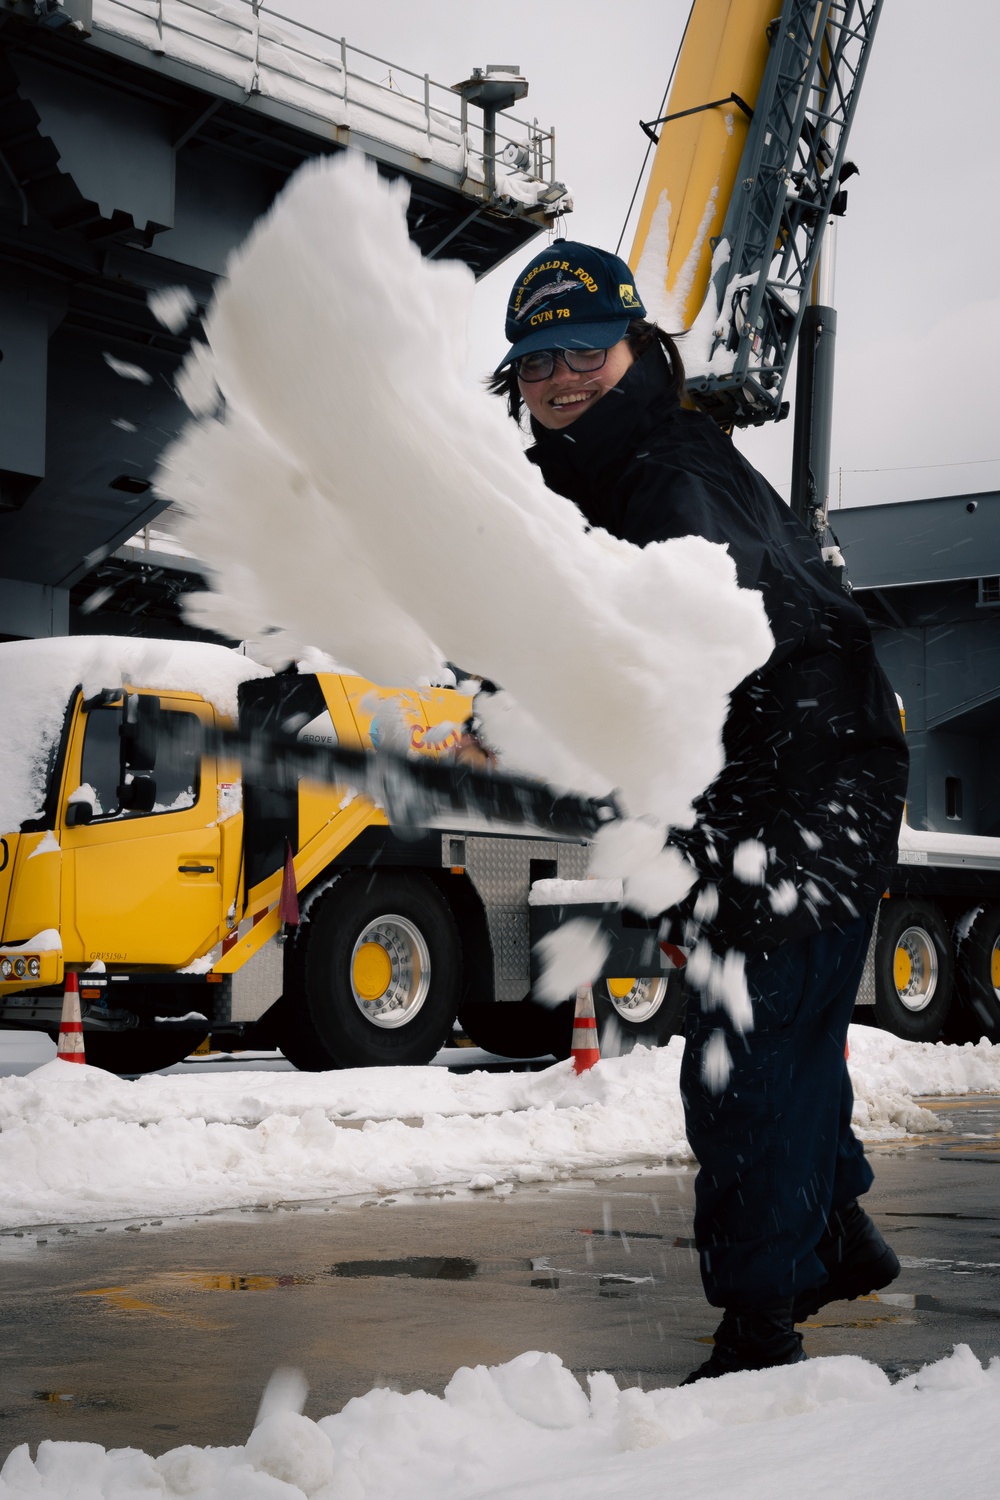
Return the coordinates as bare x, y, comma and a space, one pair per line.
639, 334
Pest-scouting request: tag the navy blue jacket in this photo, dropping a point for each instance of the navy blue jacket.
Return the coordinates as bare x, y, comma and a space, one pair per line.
815, 757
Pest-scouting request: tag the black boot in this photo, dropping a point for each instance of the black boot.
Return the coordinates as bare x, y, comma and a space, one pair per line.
857, 1260
752, 1338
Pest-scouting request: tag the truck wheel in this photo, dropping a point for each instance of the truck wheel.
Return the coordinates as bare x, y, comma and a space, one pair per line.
913, 971
643, 1012
379, 975
130, 1052
978, 977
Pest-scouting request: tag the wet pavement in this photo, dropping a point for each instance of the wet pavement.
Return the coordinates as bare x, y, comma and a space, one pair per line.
155, 1333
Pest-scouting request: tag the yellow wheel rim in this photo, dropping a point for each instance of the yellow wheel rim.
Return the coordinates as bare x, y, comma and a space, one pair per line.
619, 988
915, 967
902, 969
995, 967
372, 971
637, 1000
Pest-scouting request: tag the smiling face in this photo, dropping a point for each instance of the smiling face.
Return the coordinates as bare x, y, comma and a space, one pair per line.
559, 400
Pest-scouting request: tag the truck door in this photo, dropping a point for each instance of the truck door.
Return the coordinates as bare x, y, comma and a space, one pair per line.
143, 881
8, 848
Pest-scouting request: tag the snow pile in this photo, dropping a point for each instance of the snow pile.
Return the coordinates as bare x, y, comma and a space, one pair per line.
829, 1428
85, 1094
339, 352
887, 1073
78, 1144
38, 677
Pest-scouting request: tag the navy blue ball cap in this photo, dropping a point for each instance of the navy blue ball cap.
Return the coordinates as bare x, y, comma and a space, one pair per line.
570, 296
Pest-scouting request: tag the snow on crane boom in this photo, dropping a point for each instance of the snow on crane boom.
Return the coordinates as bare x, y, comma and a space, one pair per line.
747, 173
699, 149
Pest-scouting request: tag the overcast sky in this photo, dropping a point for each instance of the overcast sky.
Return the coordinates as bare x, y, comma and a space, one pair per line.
918, 309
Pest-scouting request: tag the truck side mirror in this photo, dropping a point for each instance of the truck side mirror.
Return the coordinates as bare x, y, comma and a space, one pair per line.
140, 728
79, 813
137, 795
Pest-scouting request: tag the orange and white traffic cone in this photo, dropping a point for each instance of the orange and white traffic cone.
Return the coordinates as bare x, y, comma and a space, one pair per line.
585, 1049
71, 1025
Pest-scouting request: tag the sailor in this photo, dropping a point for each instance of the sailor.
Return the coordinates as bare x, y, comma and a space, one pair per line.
794, 839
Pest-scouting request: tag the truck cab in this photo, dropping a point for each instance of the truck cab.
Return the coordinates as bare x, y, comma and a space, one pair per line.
121, 844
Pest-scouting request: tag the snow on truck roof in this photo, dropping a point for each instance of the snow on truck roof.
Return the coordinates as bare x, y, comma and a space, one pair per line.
37, 678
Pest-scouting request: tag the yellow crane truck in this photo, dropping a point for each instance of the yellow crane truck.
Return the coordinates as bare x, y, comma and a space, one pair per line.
160, 870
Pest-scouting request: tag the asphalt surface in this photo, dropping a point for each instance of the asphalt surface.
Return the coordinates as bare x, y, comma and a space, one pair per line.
154, 1334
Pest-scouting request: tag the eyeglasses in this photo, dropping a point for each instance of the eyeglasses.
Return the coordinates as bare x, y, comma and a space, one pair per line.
531, 367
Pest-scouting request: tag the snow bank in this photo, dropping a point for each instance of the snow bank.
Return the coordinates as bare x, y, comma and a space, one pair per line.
339, 351
79, 1144
37, 678
887, 1073
829, 1428
86, 1145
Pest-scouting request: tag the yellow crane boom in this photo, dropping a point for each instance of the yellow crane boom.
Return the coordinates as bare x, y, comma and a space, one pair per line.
748, 172
697, 159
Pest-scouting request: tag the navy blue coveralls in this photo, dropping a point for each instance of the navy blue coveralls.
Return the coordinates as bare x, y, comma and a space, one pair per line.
815, 770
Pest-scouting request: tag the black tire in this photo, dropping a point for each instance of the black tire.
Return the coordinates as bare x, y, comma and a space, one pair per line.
914, 971
977, 979
638, 1012
366, 929
132, 1052
512, 1028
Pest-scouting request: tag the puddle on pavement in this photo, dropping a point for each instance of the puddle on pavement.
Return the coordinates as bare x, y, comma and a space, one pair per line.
900, 1213
609, 1284
123, 1299
225, 1281
65, 1400
906, 1299
422, 1267
626, 1234
621, 1286
905, 1302
676, 1242
861, 1322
